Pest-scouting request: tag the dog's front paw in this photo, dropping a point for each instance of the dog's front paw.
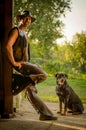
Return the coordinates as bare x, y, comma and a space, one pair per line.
63, 114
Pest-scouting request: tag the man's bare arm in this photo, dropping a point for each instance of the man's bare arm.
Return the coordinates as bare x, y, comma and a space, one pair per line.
9, 48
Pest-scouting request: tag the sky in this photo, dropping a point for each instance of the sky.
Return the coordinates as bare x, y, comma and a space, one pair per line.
75, 21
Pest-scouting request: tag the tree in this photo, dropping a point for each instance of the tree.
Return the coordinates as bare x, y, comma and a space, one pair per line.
48, 26
79, 45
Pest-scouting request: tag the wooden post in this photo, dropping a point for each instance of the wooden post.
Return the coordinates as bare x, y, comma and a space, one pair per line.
1, 38
6, 69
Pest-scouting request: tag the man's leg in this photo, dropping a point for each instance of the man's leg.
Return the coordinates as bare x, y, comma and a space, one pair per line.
39, 105
20, 82
33, 71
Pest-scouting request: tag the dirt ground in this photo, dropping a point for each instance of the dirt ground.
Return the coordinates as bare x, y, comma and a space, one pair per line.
26, 118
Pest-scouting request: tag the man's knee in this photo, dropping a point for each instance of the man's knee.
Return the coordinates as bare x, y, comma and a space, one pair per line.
32, 88
45, 75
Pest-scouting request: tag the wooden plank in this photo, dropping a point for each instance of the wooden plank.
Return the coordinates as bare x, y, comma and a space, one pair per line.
6, 73
8, 98
1, 38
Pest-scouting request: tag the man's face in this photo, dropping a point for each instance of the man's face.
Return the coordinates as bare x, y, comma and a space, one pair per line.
26, 21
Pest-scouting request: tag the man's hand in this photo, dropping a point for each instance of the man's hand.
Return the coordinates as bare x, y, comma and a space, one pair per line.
18, 64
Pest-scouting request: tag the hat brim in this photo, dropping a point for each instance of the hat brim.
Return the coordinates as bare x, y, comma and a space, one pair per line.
22, 16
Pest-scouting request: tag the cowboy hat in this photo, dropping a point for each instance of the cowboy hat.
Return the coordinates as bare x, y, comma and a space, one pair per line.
25, 14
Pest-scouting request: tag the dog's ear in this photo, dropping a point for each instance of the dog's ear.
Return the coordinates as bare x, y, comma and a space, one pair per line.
56, 75
66, 75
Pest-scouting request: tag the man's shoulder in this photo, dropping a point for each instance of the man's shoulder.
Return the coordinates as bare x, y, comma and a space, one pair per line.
12, 30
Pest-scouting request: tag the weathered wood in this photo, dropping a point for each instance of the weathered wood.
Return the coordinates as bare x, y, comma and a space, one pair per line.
1, 61
5, 67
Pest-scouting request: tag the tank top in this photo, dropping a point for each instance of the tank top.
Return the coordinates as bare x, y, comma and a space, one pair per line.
21, 48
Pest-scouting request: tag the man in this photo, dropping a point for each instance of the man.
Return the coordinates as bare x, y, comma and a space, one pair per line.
29, 74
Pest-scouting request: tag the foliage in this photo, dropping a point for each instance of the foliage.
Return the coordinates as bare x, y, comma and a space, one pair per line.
48, 25
71, 56
52, 57
65, 58
79, 46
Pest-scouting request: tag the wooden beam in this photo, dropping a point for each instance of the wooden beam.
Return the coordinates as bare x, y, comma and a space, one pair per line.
1, 61
6, 67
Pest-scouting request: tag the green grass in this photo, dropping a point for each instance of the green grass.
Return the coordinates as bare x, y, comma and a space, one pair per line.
46, 89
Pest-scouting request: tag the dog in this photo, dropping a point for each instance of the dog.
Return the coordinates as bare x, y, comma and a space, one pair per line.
67, 96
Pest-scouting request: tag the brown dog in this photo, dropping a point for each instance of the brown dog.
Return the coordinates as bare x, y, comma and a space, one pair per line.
67, 96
